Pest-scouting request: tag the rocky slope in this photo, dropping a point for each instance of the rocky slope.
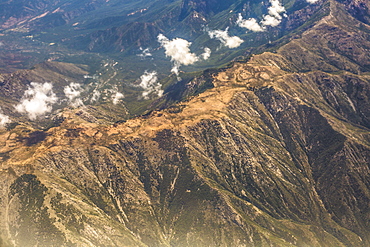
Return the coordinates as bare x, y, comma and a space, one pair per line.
40, 14
277, 153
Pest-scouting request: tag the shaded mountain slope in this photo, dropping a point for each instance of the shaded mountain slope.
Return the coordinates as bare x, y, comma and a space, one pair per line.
115, 26
275, 154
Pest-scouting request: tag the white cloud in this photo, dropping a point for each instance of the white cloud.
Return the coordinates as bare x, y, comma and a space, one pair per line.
116, 97
73, 92
250, 24
149, 82
312, 1
269, 20
144, 53
206, 54
273, 18
4, 120
37, 100
95, 96
179, 52
276, 9
223, 36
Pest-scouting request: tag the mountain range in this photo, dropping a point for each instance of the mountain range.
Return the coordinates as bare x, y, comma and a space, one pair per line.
185, 123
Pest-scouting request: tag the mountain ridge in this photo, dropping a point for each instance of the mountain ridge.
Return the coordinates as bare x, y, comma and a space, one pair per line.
275, 152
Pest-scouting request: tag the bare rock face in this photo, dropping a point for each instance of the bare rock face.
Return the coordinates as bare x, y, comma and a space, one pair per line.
276, 153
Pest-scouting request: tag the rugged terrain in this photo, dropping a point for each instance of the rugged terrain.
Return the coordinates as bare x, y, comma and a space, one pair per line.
35, 31
276, 153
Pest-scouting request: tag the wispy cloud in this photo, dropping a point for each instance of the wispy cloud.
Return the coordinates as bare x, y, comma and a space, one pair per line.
179, 52
73, 92
95, 96
145, 53
116, 97
4, 119
223, 36
149, 82
38, 100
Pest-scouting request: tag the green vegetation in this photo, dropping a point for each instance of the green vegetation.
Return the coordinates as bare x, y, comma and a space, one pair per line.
34, 219
269, 150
